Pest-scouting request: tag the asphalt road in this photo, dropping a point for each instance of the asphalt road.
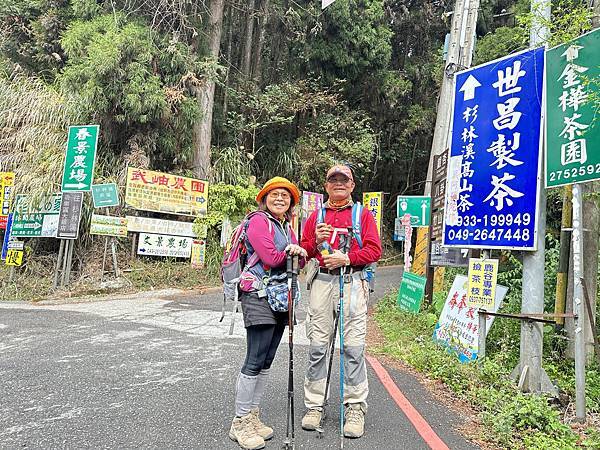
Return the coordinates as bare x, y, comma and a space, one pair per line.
157, 370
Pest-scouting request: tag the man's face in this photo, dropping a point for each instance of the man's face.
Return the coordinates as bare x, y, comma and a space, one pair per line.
339, 187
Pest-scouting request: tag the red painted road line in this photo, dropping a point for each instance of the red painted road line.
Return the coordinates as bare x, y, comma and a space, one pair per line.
422, 427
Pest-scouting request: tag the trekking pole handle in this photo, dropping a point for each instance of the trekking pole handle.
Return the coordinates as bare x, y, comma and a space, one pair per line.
289, 267
295, 264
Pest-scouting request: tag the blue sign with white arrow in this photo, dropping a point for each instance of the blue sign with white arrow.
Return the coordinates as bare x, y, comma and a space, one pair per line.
493, 172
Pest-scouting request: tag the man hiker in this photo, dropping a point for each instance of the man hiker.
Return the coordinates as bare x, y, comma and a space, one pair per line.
322, 234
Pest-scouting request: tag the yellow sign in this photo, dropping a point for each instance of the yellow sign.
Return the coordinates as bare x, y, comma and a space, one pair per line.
372, 201
166, 193
483, 274
14, 257
420, 260
7, 181
198, 253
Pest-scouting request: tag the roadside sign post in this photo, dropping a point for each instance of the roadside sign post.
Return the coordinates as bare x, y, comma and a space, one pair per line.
80, 158
410, 295
118, 225
69, 216
573, 131
572, 157
7, 235
578, 309
493, 185
418, 206
373, 201
7, 180
105, 195
61, 250
36, 220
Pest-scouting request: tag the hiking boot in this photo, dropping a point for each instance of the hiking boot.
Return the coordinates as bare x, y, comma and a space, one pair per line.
263, 431
312, 419
354, 427
242, 431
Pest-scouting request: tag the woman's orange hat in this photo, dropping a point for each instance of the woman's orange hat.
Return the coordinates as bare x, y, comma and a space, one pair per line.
279, 182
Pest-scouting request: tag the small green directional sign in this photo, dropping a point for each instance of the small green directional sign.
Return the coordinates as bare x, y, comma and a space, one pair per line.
80, 158
105, 195
412, 289
419, 208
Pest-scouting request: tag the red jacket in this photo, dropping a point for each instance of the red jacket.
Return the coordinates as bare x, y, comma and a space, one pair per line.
371, 249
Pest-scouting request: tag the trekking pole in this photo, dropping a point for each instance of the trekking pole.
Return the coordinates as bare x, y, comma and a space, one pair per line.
292, 273
341, 319
330, 366
345, 241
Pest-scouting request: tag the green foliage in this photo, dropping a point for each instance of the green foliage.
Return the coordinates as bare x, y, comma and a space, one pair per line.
33, 120
132, 81
226, 201
107, 51
332, 138
30, 33
232, 201
503, 41
230, 165
355, 41
569, 19
512, 419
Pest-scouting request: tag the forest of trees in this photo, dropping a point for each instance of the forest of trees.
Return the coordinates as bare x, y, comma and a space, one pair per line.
227, 90
238, 90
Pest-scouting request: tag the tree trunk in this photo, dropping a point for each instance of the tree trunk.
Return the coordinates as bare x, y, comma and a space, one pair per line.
205, 95
247, 52
263, 19
228, 62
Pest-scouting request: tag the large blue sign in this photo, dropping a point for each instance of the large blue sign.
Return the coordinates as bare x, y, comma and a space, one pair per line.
493, 173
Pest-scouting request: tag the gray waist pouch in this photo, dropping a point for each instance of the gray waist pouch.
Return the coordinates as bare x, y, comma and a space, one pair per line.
312, 269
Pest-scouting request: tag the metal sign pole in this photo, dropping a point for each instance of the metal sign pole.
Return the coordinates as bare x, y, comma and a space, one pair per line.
61, 249
577, 303
64, 262
532, 334
69, 261
104, 257
114, 256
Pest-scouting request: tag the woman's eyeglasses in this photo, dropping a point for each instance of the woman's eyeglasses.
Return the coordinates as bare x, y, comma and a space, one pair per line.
281, 195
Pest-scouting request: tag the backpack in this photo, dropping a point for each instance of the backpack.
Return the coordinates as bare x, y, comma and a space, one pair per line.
357, 209
235, 261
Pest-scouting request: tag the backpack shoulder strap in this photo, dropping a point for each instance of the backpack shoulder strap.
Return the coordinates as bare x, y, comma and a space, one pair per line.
259, 212
254, 258
357, 210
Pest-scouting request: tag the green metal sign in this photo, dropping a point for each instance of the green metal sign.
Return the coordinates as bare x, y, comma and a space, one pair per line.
419, 208
572, 102
36, 218
412, 290
105, 195
80, 158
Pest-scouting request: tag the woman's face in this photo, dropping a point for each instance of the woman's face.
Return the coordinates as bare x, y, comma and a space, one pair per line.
278, 201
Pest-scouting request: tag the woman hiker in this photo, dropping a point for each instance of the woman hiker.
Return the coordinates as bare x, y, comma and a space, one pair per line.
271, 237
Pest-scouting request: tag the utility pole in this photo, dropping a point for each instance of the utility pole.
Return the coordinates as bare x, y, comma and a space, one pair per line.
468, 35
530, 369
460, 56
444, 109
